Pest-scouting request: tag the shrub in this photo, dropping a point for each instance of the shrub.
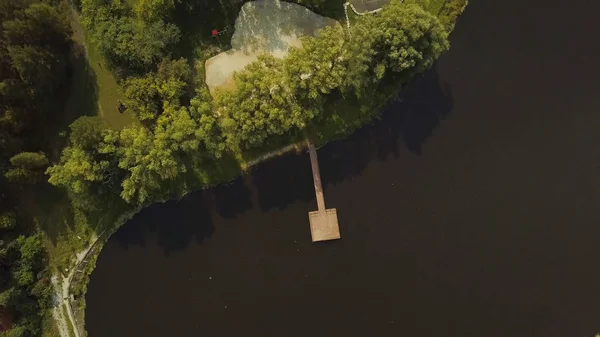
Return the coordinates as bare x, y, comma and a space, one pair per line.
8, 220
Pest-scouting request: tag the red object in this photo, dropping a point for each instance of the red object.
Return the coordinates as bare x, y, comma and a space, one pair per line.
215, 32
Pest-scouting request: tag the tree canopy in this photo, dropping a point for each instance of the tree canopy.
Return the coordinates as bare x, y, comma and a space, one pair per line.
261, 105
86, 169
125, 41
402, 40
271, 97
34, 47
152, 10
27, 167
148, 94
27, 289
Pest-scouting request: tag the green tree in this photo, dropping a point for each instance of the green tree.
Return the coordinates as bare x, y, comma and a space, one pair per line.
128, 44
149, 163
208, 130
400, 41
450, 12
153, 10
36, 66
8, 220
77, 169
88, 132
28, 167
260, 105
143, 97
157, 158
147, 95
28, 292
319, 67
34, 48
37, 41
31, 258
88, 167
30, 160
20, 175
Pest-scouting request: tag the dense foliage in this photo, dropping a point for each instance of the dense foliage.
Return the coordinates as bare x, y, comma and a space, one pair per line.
35, 47
450, 12
25, 287
85, 171
129, 44
182, 129
27, 167
403, 41
170, 85
274, 97
153, 10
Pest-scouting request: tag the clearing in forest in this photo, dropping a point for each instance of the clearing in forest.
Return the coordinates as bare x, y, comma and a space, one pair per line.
264, 26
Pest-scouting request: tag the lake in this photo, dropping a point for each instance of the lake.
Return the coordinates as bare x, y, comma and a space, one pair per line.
472, 208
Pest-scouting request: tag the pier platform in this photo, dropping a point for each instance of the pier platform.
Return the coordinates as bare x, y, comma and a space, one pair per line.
323, 222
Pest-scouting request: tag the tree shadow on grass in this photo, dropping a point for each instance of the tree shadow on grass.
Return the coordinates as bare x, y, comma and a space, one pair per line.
80, 99
83, 95
50, 208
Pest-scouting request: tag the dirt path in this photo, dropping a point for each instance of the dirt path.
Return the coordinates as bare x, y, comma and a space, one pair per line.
62, 294
57, 313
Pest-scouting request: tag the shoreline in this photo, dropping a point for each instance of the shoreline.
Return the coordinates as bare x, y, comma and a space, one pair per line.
85, 261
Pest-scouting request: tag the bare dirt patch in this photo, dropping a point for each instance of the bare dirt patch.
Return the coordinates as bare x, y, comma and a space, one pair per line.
264, 26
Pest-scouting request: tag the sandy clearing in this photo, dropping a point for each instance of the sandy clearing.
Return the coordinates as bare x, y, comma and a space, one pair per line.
263, 26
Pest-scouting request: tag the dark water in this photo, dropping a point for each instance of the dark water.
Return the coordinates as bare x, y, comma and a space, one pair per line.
471, 209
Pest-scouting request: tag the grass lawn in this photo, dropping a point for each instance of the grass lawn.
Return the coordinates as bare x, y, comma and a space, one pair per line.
106, 90
109, 92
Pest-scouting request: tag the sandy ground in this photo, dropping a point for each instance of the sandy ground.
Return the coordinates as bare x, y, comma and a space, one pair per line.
264, 26
364, 6
57, 313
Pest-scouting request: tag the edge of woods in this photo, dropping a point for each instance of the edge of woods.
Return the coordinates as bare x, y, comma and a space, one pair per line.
71, 237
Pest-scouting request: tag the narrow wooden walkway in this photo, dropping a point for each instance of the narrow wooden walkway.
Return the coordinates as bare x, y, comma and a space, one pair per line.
314, 163
323, 222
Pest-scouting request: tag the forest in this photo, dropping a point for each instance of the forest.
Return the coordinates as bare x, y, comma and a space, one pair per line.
181, 137
182, 134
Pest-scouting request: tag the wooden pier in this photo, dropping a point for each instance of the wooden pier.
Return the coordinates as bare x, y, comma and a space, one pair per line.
323, 222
